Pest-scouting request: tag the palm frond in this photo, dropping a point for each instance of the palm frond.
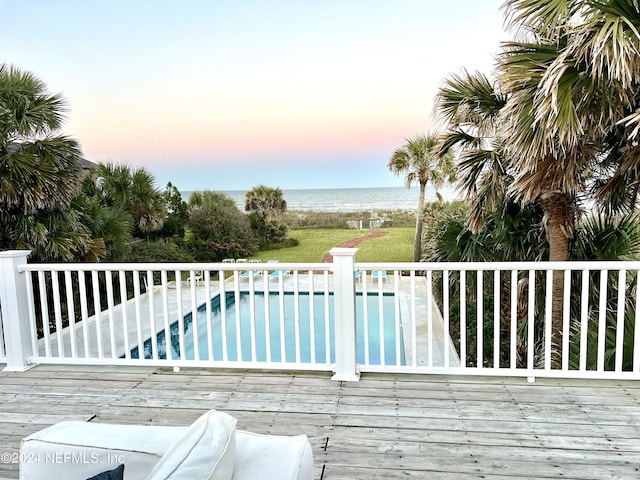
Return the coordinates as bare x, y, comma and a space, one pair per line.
544, 17
602, 237
469, 98
608, 39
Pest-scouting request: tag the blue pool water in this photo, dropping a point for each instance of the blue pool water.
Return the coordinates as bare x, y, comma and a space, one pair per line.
256, 344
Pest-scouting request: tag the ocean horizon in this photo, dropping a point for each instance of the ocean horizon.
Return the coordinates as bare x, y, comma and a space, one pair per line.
360, 199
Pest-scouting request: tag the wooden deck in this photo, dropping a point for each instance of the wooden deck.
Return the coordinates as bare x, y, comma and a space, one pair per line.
383, 427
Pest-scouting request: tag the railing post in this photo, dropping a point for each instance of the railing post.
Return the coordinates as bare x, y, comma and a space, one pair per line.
15, 310
344, 296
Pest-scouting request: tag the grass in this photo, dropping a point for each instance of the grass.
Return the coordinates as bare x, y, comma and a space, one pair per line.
395, 246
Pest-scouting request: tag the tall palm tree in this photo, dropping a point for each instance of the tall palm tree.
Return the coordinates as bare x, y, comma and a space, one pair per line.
568, 118
421, 161
583, 84
572, 81
39, 170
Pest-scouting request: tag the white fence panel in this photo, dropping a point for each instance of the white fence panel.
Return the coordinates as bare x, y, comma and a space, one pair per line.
172, 315
524, 319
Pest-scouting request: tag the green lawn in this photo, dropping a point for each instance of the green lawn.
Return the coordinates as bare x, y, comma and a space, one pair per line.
395, 246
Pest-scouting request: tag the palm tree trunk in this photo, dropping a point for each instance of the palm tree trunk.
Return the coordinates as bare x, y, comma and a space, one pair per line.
559, 228
417, 245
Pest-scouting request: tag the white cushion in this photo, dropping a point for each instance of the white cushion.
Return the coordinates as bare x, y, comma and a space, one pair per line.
206, 451
272, 456
83, 449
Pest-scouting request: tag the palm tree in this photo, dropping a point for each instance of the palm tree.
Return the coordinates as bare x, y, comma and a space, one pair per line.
593, 86
568, 119
133, 191
109, 228
549, 169
266, 201
572, 84
421, 161
265, 204
39, 170
580, 72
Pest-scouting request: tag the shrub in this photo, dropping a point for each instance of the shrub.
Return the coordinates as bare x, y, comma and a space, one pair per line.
156, 252
297, 219
286, 243
218, 229
267, 231
211, 251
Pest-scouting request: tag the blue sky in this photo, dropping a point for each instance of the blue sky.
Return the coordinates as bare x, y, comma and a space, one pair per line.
226, 95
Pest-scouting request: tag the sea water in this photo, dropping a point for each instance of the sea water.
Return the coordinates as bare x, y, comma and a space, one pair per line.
349, 199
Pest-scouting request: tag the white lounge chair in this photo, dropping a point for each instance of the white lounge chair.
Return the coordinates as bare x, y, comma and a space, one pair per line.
376, 274
277, 273
197, 277
251, 273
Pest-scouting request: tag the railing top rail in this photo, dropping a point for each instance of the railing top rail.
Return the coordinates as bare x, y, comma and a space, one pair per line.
61, 267
491, 266
406, 266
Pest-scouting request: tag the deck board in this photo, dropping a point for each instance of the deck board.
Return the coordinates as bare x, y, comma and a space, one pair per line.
383, 427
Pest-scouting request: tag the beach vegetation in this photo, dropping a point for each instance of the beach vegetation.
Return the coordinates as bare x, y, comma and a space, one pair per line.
266, 201
421, 160
299, 219
156, 252
517, 232
513, 232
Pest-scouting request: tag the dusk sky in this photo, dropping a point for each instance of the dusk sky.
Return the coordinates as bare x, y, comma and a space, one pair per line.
226, 95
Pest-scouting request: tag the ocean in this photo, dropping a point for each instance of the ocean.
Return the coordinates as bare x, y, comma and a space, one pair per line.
348, 199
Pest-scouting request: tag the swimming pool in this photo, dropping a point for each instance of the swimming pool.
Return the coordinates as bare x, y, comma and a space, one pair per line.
247, 341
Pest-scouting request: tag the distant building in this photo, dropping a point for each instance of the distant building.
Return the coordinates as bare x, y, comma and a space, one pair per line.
87, 166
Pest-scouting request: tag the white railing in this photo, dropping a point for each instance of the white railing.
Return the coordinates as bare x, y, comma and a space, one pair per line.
574, 319
230, 331
593, 333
